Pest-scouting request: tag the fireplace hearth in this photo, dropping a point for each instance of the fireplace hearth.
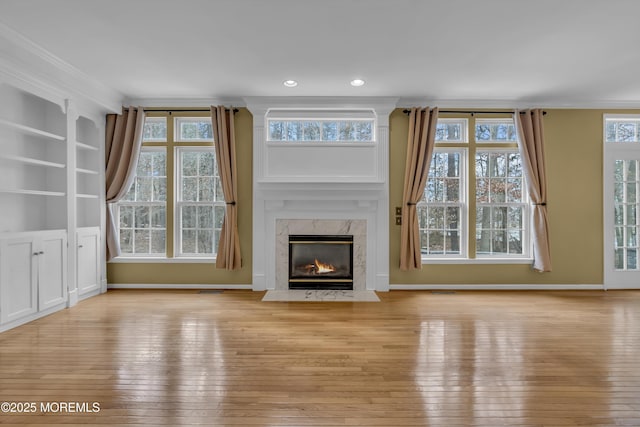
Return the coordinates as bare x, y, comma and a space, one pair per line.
321, 262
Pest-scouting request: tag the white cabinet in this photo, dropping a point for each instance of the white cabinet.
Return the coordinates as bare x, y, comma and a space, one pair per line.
52, 270
33, 275
88, 272
18, 278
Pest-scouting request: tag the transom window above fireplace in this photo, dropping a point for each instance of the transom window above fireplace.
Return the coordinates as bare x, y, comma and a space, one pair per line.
336, 141
321, 130
349, 126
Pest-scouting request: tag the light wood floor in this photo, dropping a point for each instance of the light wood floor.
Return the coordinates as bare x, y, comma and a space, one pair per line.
413, 359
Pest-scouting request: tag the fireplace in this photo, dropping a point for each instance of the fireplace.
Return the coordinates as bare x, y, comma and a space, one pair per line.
320, 261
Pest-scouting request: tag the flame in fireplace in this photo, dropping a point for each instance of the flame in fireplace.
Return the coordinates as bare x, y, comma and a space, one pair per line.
322, 268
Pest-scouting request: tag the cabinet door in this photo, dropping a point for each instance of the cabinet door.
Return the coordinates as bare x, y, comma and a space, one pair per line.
88, 260
18, 278
52, 277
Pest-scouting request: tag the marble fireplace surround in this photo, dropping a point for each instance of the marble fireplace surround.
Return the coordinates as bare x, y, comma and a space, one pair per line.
359, 218
355, 228
341, 227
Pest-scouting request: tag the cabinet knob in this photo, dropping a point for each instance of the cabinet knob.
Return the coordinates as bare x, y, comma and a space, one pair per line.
80, 246
40, 253
35, 254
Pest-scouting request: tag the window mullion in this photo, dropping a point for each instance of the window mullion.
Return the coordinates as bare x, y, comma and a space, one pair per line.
171, 188
471, 191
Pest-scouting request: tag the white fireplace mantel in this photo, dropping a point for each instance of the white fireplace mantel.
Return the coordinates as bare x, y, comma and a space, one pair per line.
322, 197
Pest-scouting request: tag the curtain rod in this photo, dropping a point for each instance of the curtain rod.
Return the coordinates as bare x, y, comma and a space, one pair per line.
544, 113
192, 110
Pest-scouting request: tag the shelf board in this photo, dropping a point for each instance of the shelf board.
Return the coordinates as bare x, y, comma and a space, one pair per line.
32, 161
31, 130
33, 192
86, 196
84, 146
87, 171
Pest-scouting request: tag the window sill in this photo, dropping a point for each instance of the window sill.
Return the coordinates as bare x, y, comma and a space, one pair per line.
161, 260
477, 261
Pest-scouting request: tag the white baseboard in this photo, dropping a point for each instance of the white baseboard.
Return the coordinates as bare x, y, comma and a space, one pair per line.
393, 287
396, 287
497, 287
174, 286
31, 317
620, 287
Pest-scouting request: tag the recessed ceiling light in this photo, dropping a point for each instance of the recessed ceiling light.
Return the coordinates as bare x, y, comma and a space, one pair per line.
290, 83
357, 82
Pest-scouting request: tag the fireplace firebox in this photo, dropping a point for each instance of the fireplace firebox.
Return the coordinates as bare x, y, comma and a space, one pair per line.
320, 262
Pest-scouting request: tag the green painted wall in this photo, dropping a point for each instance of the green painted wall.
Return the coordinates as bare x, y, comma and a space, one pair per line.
574, 167
574, 159
205, 273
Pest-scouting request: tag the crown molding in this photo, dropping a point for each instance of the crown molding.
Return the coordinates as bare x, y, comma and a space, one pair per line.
13, 73
41, 68
260, 105
587, 104
185, 102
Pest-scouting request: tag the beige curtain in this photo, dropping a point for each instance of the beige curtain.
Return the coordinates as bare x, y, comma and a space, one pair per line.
422, 135
531, 145
123, 137
229, 246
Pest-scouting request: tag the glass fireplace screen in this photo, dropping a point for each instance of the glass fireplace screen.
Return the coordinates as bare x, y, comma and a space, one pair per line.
320, 262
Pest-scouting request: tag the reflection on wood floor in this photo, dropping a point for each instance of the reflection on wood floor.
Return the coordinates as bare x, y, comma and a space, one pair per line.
416, 358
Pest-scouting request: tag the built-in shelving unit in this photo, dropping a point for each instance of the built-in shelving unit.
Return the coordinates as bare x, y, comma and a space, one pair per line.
34, 193
29, 160
52, 185
30, 130
33, 147
83, 146
88, 188
52, 201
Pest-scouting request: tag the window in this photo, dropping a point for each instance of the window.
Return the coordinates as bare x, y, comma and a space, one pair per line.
200, 202
500, 207
622, 129
621, 201
451, 130
626, 204
142, 212
177, 159
155, 129
626, 190
193, 129
443, 205
486, 194
321, 130
495, 130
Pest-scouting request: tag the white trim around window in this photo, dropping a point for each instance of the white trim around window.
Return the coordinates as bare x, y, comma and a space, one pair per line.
149, 204
470, 200
523, 204
216, 205
462, 204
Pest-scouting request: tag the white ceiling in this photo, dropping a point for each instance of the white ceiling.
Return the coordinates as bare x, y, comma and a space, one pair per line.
542, 52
